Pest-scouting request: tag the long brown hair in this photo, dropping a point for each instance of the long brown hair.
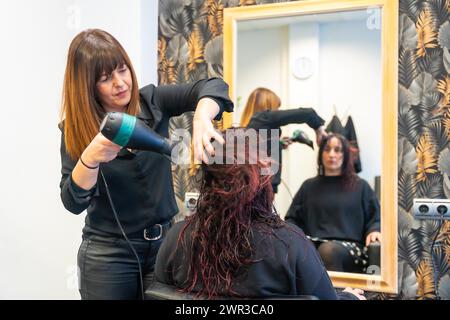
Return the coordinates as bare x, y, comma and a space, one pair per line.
347, 169
91, 53
260, 99
234, 198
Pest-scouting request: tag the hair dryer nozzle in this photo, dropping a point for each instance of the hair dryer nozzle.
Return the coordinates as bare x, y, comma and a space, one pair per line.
302, 137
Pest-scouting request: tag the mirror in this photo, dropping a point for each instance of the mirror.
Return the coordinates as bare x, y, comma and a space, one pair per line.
340, 58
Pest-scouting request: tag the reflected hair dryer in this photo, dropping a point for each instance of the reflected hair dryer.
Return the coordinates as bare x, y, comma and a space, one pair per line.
130, 132
302, 137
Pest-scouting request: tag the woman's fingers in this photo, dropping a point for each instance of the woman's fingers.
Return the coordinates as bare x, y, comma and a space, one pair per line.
367, 241
217, 137
198, 150
357, 292
208, 145
106, 142
208, 138
372, 237
103, 150
202, 143
321, 133
378, 237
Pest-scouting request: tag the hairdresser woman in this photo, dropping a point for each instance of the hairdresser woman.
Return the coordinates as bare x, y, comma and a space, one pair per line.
99, 78
262, 112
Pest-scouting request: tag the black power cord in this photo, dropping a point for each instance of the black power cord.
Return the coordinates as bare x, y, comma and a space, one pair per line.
435, 272
287, 188
124, 235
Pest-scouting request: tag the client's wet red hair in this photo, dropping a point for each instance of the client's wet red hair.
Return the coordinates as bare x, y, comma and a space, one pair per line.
233, 199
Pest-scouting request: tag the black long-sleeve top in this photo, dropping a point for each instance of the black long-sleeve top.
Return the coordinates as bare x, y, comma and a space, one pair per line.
140, 183
277, 118
285, 263
324, 209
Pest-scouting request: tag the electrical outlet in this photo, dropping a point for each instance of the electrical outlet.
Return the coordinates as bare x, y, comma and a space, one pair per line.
443, 208
435, 209
423, 209
190, 200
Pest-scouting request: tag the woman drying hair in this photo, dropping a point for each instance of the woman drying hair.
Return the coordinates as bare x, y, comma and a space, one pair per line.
236, 245
262, 112
100, 78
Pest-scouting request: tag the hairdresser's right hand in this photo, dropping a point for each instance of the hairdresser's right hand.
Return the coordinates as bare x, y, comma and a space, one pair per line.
285, 142
100, 150
356, 292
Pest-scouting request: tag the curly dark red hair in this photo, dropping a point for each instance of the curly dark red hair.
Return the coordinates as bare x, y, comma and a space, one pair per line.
233, 199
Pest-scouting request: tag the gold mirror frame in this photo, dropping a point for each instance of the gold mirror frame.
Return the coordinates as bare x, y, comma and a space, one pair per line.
386, 281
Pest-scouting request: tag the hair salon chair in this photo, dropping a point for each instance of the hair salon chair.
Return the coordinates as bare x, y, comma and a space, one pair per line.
161, 291
373, 251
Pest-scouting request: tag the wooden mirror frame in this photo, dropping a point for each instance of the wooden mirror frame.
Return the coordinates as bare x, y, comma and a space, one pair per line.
386, 281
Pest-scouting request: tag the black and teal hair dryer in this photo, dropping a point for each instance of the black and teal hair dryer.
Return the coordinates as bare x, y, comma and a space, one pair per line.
130, 132
301, 137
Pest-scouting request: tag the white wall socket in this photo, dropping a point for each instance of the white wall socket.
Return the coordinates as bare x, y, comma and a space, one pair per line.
190, 201
435, 209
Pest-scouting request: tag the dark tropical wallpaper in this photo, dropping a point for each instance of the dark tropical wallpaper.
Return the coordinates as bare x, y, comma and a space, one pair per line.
190, 48
424, 150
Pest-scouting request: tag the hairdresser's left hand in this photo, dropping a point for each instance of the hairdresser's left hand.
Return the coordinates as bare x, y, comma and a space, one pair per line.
372, 237
204, 131
321, 133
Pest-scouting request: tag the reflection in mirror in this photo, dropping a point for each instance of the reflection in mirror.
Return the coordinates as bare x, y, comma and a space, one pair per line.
340, 59
330, 62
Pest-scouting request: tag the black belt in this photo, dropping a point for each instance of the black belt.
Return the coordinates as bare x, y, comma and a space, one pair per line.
154, 232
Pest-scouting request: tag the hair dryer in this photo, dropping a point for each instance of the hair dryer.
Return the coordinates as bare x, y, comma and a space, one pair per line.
302, 137
130, 132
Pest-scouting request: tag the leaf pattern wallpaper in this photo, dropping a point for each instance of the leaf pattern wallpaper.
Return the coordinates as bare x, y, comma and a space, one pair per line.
190, 48
424, 149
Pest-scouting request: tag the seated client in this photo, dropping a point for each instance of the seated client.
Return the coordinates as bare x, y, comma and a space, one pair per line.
337, 210
236, 245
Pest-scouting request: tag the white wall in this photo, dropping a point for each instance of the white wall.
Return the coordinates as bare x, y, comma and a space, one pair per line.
39, 238
261, 63
299, 160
